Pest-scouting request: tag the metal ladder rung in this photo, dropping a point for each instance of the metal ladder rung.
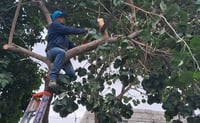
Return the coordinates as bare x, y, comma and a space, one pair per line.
36, 107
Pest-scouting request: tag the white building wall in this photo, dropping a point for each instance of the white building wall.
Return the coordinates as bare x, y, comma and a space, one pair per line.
139, 116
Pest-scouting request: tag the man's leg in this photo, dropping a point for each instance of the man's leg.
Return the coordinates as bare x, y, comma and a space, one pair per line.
69, 70
57, 56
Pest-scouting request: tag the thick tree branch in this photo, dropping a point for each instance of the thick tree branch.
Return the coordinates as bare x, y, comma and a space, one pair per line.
16, 48
14, 22
86, 47
70, 53
45, 11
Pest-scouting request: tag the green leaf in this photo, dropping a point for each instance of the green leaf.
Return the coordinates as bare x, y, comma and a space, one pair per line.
3, 83
144, 101
4, 62
197, 2
123, 78
95, 3
72, 107
64, 113
136, 102
83, 4
124, 44
104, 47
5, 79
117, 63
57, 106
145, 34
196, 76
126, 99
82, 72
163, 6
172, 10
78, 87
195, 44
92, 31
186, 78
126, 111
117, 2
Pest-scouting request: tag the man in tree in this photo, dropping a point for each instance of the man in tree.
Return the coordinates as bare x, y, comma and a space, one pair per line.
58, 44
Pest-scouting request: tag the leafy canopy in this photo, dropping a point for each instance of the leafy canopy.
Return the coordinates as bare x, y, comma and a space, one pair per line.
19, 74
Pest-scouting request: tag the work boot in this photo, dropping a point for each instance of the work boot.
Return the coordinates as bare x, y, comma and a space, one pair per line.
52, 86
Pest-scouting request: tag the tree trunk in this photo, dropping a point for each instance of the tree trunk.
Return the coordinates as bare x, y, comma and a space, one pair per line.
96, 120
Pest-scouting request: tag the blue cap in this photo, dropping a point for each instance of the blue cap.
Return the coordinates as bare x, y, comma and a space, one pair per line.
57, 14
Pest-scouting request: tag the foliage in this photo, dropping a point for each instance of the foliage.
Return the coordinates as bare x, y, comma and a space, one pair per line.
19, 74
169, 79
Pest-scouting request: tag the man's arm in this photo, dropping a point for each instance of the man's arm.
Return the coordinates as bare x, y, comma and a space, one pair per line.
66, 30
71, 45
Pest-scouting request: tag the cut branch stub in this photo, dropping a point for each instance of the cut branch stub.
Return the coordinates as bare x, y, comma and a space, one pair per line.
100, 22
6, 46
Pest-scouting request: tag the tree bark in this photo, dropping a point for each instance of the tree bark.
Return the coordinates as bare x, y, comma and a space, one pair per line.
45, 11
70, 53
14, 22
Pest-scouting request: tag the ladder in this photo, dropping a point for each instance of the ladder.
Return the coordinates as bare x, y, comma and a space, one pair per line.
36, 107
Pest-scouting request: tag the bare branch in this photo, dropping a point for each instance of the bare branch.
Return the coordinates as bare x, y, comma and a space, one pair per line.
14, 22
156, 52
16, 48
134, 34
45, 11
132, 17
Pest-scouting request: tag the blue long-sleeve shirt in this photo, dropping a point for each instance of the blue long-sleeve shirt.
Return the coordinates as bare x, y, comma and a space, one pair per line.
58, 36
